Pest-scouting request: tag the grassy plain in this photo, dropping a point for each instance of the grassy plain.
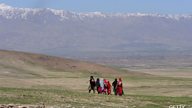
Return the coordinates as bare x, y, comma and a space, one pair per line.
27, 79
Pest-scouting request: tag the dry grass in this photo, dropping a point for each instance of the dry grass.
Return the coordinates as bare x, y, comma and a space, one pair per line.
31, 78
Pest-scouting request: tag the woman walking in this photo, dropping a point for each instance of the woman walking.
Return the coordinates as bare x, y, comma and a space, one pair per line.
120, 87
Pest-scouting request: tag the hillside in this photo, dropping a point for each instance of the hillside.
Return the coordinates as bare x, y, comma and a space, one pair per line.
33, 79
28, 64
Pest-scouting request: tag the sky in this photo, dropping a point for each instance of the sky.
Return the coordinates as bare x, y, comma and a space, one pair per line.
109, 6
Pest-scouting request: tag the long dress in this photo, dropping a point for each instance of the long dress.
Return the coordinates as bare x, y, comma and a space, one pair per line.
115, 86
108, 88
102, 84
119, 88
105, 86
98, 86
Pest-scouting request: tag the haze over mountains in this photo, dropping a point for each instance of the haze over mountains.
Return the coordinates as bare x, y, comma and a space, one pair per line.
94, 34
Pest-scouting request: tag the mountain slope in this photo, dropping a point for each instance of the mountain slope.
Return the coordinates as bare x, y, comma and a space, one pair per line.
92, 34
27, 65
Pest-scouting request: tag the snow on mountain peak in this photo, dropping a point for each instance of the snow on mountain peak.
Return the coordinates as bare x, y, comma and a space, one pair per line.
4, 6
12, 12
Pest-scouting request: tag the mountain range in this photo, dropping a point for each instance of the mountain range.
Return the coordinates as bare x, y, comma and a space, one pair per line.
94, 34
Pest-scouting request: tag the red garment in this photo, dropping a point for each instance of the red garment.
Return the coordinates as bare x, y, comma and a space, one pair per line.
99, 89
105, 81
105, 86
108, 88
120, 87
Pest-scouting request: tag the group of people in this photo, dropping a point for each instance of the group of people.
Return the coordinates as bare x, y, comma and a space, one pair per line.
103, 86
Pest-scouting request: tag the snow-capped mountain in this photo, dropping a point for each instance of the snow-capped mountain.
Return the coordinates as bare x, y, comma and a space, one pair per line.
66, 33
11, 12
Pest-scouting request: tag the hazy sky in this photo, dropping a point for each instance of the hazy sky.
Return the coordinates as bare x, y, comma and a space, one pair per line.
143, 6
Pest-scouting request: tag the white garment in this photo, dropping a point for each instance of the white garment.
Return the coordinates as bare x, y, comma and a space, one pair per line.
102, 84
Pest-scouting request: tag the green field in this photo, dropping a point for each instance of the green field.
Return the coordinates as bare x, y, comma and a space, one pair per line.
30, 82
65, 98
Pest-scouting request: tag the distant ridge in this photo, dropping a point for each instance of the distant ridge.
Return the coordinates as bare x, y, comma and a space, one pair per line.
94, 34
14, 12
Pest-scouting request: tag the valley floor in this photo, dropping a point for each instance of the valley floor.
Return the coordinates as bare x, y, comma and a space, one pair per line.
70, 91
